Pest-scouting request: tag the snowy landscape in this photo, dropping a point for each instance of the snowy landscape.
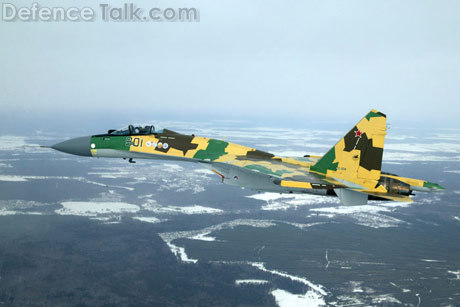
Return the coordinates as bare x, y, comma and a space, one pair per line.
294, 249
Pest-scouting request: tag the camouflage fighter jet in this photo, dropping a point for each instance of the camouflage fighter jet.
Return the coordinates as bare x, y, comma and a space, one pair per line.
351, 169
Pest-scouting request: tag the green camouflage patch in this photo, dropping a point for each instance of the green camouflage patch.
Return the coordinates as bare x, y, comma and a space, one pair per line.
213, 151
111, 142
373, 114
326, 163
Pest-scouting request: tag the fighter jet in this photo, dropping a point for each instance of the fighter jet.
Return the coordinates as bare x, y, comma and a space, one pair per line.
350, 170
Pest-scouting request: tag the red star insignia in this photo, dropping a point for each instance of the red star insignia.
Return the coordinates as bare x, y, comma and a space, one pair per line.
358, 134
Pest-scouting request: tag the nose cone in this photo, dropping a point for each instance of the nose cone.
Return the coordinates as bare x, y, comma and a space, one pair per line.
78, 146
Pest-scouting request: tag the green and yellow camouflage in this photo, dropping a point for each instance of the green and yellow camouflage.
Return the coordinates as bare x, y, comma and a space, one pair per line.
351, 169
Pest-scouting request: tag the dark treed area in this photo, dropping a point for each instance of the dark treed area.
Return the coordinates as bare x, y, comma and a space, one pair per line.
68, 261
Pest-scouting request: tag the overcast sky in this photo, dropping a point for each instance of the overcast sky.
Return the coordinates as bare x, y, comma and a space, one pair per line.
252, 60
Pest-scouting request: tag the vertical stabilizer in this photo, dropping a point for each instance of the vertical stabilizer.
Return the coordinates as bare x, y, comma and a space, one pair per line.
357, 157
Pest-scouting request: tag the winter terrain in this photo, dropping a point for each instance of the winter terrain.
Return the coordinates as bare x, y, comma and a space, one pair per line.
76, 229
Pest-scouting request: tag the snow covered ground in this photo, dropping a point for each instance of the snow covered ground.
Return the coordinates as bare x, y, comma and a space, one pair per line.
315, 295
286, 299
371, 215
277, 201
120, 179
148, 219
195, 209
83, 208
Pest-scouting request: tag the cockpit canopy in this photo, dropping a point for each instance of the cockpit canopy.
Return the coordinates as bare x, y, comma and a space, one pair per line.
134, 130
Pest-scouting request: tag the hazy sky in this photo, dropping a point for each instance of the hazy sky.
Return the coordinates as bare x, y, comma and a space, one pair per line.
256, 60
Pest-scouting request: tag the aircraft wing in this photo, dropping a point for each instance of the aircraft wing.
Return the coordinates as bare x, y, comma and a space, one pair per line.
263, 171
